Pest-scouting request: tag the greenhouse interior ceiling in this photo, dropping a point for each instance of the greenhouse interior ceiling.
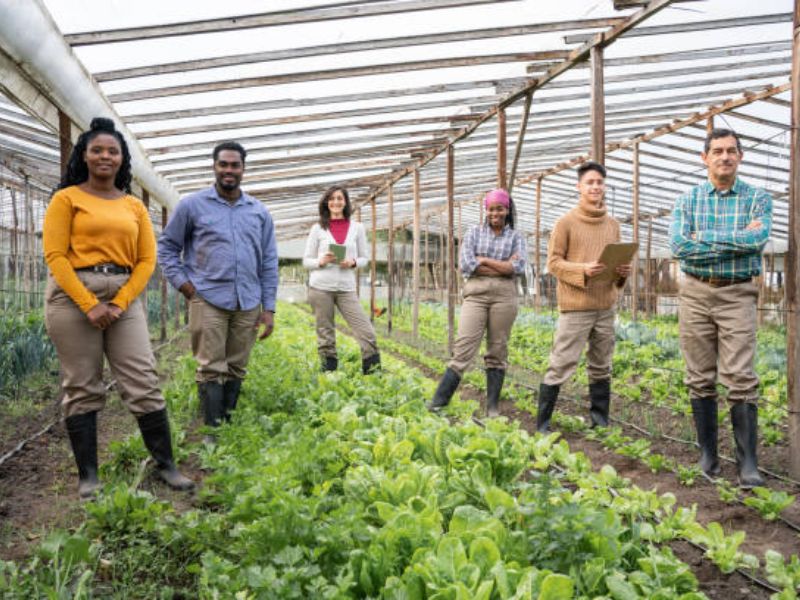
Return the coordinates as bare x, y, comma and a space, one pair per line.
380, 95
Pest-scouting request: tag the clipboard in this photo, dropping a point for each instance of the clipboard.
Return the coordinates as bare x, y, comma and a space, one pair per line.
338, 250
614, 255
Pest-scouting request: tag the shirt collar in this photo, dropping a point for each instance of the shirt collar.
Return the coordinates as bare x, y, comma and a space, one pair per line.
736, 188
489, 229
243, 199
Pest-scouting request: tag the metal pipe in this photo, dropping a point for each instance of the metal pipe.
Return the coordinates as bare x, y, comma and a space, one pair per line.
29, 35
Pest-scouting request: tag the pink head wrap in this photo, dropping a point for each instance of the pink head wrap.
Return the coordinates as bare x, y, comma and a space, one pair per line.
498, 196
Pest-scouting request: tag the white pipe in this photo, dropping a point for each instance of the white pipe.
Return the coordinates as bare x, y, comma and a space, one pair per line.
29, 35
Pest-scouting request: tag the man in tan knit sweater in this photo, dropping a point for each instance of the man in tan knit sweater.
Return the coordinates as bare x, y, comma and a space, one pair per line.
586, 303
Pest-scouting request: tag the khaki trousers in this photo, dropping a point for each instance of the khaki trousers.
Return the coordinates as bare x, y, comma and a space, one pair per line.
81, 348
718, 336
574, 329
323, 303
221, 340
490, 305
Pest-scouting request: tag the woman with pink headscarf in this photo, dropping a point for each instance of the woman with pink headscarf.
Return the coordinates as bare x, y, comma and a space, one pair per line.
492, 255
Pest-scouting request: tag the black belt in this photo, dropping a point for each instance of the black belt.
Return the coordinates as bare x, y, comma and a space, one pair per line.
719, 282
107, 269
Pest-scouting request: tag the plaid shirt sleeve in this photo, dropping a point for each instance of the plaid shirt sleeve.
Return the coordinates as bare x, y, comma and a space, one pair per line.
680, 237
520, 248
468, 262
743, 241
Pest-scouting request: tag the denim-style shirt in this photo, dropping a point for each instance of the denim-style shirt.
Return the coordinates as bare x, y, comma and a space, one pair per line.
228, 250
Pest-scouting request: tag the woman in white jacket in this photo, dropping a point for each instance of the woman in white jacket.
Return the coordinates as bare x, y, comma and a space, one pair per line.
332, 282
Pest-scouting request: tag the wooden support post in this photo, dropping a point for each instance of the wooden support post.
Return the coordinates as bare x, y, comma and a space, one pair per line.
598, 109
163, 335
451, 272
710, 124
501, 149
29, 245
443, 278
792, 267
428, 271
390, 259
14, 245
373, 268
649, 270
537, 251
64, 139
520, 139
457, 250
415, 259
635, 224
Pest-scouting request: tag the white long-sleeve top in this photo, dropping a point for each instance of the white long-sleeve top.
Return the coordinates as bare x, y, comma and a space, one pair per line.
331, 277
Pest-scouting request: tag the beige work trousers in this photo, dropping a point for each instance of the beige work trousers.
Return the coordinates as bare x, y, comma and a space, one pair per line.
718, 336
323, 303
490, 306
81, 348
221, 340
573, 330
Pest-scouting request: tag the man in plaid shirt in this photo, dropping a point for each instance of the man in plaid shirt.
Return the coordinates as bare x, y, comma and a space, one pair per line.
718, 231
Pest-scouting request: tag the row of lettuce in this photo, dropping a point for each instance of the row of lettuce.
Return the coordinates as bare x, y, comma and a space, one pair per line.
647, 361
344, 486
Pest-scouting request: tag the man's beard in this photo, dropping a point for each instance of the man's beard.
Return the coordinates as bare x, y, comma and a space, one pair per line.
228, 187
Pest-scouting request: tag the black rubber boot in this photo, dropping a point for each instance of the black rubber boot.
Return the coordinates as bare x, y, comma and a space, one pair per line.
230, 396
706, 424
330, 363
600, 399
447, 387
548, 395
745, 431
155, 433
494, 385
212, 405
371, 364
82, 430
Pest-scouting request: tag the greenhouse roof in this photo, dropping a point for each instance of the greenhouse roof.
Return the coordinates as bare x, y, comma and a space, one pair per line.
365, 93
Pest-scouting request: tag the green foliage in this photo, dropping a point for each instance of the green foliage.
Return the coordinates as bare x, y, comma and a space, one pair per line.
769, 503
24, 349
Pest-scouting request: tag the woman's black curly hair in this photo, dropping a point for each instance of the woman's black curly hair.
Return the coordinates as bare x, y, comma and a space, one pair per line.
77, 171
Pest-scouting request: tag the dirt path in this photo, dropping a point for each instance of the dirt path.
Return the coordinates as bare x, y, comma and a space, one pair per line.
38, 485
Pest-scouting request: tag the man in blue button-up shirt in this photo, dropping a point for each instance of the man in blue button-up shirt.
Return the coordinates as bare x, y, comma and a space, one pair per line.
219, 251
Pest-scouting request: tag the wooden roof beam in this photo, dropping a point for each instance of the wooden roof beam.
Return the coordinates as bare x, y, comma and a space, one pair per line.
341, 10
359, 46
325, 74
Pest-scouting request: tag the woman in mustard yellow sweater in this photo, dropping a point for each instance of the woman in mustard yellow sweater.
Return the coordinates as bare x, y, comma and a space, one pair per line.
100, 249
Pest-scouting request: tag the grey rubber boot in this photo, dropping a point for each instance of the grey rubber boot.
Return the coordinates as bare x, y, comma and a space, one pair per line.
548, 395
371, 364
447, 387
600, 400
745, 432
82, 431
705, 412
230, 397
212, 405
155, 433
494, 385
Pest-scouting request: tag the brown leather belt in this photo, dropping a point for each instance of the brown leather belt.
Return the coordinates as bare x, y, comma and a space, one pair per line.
719, 282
